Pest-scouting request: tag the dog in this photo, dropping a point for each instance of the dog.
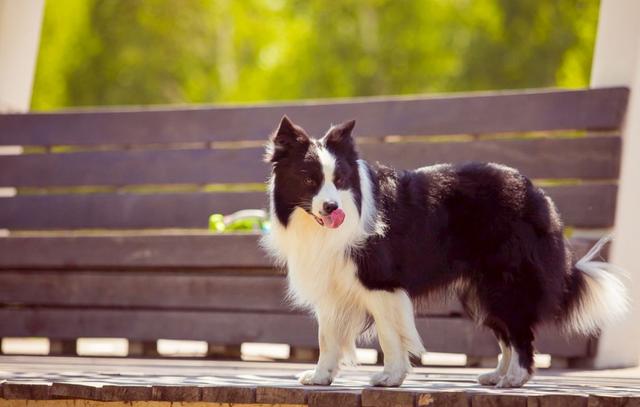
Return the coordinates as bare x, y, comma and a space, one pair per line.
363, 243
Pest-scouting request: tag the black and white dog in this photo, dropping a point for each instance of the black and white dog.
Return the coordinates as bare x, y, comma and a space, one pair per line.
363, 242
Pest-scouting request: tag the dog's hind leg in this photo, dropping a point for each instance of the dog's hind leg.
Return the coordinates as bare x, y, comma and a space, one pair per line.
492, 378
521, 364
397, 334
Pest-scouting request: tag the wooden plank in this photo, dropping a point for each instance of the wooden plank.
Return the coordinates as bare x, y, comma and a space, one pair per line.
401, 397
229, 394
443, 398
176, 393
281, 395
498, 400
585, 206
595, 157
146, 289
118, 251
157, 251
241, 291
122, 211
552, 400
388, 397
585, 157
74, 391
119, 168
334, 398
448, 114
16, 391
455, 335
125, 393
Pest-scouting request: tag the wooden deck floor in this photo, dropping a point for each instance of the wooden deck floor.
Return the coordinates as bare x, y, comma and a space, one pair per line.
57, 381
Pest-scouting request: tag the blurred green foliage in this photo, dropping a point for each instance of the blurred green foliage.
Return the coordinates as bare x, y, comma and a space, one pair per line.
118, 52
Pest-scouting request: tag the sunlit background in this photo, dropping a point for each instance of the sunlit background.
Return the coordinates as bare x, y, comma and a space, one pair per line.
123, 52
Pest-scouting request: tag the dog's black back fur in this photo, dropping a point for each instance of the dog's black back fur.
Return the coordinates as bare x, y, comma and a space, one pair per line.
484, 227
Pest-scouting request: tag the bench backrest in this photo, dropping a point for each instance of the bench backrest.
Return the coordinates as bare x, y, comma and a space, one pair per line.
157, 168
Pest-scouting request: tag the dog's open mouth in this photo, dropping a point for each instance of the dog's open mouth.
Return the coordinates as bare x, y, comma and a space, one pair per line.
333, 220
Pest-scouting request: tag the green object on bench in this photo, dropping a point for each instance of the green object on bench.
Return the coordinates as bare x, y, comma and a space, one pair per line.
244, 220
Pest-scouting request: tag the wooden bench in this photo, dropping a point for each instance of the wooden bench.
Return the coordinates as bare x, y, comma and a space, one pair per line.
107, 229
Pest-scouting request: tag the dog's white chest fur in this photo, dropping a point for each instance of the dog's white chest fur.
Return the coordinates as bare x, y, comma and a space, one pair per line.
319, 267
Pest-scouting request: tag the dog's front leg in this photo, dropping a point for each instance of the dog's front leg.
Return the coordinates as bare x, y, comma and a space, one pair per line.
331, 348
397, 334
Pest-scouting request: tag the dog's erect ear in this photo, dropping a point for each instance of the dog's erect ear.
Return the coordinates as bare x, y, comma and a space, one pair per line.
339, 137
286, 139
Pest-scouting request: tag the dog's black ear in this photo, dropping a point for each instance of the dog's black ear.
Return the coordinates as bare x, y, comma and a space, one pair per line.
340, 137
288, 138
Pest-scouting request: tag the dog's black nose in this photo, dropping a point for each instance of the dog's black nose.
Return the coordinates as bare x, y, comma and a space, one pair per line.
329, 207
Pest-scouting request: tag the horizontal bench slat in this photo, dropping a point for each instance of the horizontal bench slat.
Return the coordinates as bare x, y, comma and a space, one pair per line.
158, 251
224, 290
450, 114
584, 157
586, 206
122, 211
114, 251
439, 334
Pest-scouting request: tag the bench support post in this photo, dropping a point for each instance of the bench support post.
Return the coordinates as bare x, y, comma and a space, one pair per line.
616, 62
20, 23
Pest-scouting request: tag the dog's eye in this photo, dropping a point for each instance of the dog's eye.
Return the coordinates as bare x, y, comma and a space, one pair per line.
308, 181
338, 180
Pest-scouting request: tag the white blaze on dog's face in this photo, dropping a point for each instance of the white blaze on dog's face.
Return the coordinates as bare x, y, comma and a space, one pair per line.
314, 175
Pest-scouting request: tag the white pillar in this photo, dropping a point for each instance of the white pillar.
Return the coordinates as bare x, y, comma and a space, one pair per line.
617, 63
20, 22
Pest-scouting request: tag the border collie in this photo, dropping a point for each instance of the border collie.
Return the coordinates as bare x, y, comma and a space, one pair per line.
363, 243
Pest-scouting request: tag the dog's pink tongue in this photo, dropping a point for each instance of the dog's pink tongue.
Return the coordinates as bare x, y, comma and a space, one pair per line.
335, 219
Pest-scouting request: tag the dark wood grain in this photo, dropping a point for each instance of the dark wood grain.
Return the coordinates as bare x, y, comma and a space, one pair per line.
118, 251
387, 397
594, 157
334, 398
223, 289
553, 400
125, 393
448, 114
146, 289
281, 395
176, 393
585, 157
122, 211
229, 394
74, 391
156, 251
587, 206
596, 400
25, 391
498, 400
443, 398
118, 168
439, 334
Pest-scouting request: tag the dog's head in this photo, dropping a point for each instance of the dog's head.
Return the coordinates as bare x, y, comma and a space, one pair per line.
319, 176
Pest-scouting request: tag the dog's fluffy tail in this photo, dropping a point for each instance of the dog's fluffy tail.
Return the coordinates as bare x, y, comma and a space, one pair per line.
594, 295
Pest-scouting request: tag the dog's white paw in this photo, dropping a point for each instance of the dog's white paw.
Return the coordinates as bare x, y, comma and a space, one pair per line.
388, 379
489, 379
514, 380
315, 377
